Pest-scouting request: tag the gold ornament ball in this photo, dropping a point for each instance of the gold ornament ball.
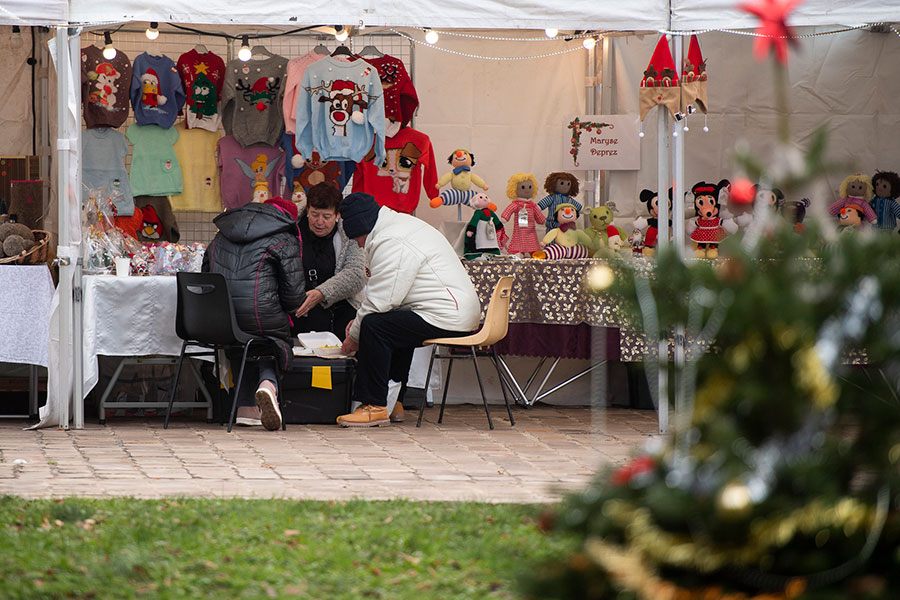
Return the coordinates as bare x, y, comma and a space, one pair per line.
600, 278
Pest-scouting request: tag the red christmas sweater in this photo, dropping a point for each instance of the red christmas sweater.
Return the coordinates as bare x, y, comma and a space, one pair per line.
400, 98
397, 183
202, 76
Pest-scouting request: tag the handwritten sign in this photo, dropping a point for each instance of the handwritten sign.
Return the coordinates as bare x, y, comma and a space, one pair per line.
603, 143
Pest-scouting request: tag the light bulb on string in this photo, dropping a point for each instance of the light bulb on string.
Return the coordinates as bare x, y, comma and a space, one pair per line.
109, 52
340, 33
551, 32
641, 131
705, 128
589, 43
431, 36
16, 41
153, 31
244, 53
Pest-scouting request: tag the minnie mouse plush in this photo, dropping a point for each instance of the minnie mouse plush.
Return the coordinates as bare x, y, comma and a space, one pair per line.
709, 231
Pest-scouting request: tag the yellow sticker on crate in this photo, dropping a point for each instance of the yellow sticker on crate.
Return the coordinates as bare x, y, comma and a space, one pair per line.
321, 377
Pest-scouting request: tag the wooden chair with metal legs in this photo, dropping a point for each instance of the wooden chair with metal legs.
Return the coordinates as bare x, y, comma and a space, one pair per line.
480, 343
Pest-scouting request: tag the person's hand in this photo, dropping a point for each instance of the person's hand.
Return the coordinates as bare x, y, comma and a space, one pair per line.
313, 297
347, 329
349, 346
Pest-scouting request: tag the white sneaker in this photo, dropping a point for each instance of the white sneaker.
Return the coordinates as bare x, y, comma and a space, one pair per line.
267, 400
247, 416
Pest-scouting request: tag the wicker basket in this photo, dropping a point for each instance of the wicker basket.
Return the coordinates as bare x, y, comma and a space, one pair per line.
38, 253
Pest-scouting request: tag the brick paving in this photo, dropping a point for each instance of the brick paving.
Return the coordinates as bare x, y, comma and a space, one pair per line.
549, 451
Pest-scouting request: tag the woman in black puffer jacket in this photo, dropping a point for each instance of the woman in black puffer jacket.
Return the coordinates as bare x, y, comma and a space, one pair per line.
258, 251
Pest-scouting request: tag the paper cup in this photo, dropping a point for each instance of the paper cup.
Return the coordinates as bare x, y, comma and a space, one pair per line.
123, 266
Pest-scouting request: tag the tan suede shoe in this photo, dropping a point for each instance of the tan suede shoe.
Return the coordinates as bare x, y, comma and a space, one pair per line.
397, 413
366, 415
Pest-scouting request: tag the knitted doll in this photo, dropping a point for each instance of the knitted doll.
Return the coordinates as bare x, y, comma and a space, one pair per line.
521, 188
886, 185
484, 233
709, 231
796, 212
851, 218
773, 198
603, 234
460, 180
566, 240
857, 190
561, 188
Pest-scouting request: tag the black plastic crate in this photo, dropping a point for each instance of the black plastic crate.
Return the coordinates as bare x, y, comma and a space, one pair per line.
303, 404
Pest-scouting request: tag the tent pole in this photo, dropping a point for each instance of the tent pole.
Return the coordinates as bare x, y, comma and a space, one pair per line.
75, 181
590, 107
63, 199
678, 235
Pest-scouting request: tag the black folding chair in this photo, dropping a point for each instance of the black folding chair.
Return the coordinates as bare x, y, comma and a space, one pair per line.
204, 317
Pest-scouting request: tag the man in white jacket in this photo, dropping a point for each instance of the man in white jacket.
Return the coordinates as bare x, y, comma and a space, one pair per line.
417, 290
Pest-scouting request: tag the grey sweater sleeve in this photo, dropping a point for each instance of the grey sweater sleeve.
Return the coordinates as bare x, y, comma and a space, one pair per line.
349, 273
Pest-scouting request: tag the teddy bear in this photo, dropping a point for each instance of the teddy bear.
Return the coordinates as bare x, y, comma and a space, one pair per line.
561, 187
521, 188
460, 179
856, 190
886, 186
603, 234
15, 239
484, 232
566, 240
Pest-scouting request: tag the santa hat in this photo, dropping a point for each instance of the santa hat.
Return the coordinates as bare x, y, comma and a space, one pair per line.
693, 78
151, 74
339, 86
660, 84
106, 69
260, 85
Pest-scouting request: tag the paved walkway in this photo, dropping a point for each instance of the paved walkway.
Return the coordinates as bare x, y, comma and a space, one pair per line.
550, 450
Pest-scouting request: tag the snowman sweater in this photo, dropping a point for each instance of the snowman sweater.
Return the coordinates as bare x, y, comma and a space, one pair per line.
156, 91
252, 100
340, 111
104, 87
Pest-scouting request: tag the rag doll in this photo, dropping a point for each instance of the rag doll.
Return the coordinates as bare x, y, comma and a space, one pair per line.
851, 218
886, 186
521, 188
857, 190
771, 197
709, 228
460, 180
603, 234
566, 240
561, 188
484, 233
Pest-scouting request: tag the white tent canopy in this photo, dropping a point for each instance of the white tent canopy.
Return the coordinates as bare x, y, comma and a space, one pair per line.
34, 12
725, 14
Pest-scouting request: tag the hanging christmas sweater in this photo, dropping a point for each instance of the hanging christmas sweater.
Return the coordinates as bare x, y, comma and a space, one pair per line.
196, 152
340, 112
400, 98
295, 69
154, 166
397, 181
252, 100
103, 152
307, 172
244, 170
202, 76
527, 217
156, 92
104, 88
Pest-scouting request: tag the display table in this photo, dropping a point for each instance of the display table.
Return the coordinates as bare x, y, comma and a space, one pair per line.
25, 295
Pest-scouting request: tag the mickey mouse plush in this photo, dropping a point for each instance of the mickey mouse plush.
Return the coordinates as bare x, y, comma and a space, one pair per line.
709, 231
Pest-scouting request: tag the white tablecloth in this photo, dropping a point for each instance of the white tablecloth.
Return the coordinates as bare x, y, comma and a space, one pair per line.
25, 295
127, 316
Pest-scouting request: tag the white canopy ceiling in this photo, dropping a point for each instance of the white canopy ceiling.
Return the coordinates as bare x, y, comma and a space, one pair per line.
715, 14
33, 12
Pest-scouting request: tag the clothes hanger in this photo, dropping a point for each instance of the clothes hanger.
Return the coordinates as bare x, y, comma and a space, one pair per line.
257, 51
371, 51
200, 48
342, 50
321, 49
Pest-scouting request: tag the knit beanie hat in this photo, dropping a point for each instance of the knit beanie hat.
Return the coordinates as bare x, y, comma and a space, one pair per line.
359, 211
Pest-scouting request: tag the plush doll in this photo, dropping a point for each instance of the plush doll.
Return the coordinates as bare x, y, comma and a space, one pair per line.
636, 240
797, 212
650, 226
857, 190
771, 197
565, 241
15, 239
484, 233
603, 234
851, 218
460, 180
158, 220
521, 188
886, 185
298, 196
260, 191
709, 230
561, 188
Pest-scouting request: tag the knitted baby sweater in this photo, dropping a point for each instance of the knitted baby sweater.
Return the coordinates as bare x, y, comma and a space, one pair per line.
156, 91
252, 100
295, 69
202, 76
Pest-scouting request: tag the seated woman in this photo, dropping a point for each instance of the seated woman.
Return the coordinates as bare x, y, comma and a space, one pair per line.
335, 267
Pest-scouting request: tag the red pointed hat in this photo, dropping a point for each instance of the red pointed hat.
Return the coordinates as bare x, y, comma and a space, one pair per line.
694, 65
661, 70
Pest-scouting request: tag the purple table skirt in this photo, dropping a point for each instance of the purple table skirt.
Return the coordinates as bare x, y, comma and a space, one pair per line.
563, 341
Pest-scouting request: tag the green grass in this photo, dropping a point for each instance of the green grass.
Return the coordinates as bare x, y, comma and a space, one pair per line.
204, 548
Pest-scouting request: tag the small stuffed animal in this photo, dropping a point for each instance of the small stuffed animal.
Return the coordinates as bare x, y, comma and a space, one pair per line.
857, 190
651, 234
709, 230
561, 187
851, 218
886, 185
521, 188
566, 241
15, 239
460, 180
797, 212
603, 234
771, 197
484, 233
636, 239
298, 197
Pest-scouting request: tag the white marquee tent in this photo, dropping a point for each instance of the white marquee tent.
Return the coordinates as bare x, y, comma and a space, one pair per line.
630, 56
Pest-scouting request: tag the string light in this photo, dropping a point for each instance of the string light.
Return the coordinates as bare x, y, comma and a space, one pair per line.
479, 57
491, 38
755, 34
109, 52
551, 32
431, 36
340, 33
589, 43
16, 40
244, 53
153, 31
